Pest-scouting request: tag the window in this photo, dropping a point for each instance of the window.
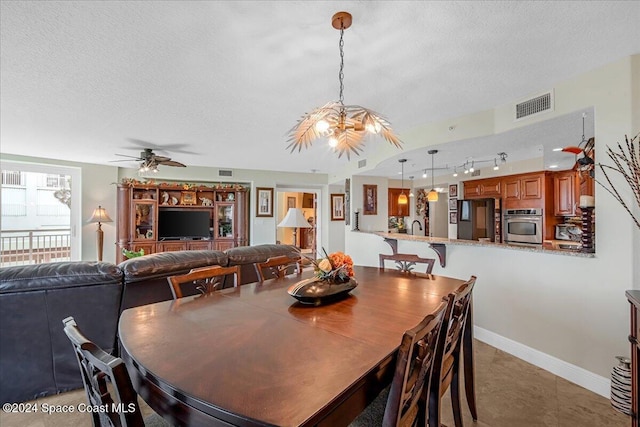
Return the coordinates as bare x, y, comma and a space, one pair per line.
39, 214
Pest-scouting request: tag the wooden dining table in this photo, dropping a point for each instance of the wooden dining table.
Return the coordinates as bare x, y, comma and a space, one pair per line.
254, 356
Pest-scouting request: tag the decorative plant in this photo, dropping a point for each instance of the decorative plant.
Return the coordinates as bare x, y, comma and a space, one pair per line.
132, 254
627, 163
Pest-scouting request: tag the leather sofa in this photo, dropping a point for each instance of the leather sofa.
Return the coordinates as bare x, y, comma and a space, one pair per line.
36, 358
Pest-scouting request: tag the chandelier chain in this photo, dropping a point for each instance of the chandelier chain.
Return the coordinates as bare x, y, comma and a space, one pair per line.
341, 72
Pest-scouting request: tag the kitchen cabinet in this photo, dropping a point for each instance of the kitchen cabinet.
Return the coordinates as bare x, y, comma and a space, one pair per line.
394, 208
565, 193
483, 188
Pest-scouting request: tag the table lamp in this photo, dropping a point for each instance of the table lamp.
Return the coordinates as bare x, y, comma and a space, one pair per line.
100, 215
294, 219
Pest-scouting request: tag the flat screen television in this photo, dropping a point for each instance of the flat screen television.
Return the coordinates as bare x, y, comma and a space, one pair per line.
183, 224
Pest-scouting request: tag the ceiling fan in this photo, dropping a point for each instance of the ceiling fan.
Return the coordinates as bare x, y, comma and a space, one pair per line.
150, 160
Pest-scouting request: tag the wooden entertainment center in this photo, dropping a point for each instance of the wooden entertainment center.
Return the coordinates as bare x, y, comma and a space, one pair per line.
141, 207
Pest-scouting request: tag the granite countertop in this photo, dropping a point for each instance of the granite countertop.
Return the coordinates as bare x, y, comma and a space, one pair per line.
549, 248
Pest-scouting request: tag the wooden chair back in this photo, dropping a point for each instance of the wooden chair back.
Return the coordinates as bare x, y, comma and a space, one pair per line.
414, 367
98, 369
447, 360
406, 262
206, 279
278, 267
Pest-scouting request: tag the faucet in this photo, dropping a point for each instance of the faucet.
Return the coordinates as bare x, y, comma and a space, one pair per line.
413, 223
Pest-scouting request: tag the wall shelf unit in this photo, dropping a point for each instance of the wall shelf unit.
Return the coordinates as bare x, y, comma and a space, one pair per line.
141, 207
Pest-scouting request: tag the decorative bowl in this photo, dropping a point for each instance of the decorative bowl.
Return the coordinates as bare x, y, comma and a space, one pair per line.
315, 291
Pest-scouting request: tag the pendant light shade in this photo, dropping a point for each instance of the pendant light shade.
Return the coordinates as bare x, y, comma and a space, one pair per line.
345, 126
402, 198
433, 194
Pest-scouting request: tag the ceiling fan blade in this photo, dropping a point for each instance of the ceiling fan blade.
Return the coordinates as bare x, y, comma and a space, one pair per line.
172, 163
160, 159
126, 155
175, 148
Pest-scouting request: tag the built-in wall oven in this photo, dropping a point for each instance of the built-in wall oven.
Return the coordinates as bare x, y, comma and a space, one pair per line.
523, 226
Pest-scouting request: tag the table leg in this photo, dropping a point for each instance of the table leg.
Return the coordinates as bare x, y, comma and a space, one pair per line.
469, 370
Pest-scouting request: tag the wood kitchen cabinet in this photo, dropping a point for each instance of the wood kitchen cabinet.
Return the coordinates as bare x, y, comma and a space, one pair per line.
565, 193
483, 188
394, 208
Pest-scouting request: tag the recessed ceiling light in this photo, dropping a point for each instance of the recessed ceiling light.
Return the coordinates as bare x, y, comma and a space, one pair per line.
553, 166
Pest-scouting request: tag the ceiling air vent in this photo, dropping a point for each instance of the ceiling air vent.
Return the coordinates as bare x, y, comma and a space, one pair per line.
476, 172
362, 163
539, 104
224, 173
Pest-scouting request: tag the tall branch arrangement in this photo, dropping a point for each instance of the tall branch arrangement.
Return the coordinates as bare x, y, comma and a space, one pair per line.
627, 163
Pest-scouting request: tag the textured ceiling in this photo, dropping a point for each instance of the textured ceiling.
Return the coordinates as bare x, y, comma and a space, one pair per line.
220, 83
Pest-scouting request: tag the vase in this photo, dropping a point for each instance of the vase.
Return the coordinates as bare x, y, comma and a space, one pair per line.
621, 385
316, 291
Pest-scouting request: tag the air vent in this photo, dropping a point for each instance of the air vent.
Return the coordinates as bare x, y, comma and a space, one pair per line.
539, 104
224, 173
476, 172
362, 163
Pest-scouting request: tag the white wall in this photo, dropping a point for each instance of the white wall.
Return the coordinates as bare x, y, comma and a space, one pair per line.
377, 222
572, 309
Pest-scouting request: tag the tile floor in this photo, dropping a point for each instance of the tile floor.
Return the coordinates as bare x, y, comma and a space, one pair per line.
510, 393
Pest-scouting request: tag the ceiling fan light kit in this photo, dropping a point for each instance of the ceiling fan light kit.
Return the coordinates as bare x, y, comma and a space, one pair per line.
345, 126
150, 161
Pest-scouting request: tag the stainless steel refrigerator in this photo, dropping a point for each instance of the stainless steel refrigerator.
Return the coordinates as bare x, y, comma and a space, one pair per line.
479, 218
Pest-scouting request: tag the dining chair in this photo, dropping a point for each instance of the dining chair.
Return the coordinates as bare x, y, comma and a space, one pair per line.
446, 371
107, 384
204, 279
406, 262
278, 267
404, 402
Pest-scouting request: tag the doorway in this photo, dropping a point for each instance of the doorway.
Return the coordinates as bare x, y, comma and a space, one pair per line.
307, 202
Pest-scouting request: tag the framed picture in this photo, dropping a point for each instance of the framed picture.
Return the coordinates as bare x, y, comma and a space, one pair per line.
347, 201
370, 199
453, 190
264, 202
453, 204
337, 207
291, 202
453, 217
188, 198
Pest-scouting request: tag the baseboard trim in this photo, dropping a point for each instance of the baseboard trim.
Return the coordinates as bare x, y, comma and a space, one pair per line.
577, 375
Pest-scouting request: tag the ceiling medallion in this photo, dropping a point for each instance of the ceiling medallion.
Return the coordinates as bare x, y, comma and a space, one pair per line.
344, 125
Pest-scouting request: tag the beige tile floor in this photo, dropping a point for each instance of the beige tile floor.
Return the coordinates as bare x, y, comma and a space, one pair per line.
510, 393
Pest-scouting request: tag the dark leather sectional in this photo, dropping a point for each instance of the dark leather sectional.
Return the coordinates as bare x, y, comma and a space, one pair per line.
36, 358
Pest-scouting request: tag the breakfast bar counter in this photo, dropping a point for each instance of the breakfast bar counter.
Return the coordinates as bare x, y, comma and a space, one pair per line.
439, 244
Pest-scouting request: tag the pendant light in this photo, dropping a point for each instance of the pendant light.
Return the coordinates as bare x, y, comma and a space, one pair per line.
402, 198
411, 189
433, 194
345, 126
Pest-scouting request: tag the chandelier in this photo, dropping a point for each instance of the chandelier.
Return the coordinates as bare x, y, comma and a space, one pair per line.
345, 126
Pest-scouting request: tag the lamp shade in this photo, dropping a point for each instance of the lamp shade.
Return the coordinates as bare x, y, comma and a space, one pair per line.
295, 219
100, 215
432, 196
402, 199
